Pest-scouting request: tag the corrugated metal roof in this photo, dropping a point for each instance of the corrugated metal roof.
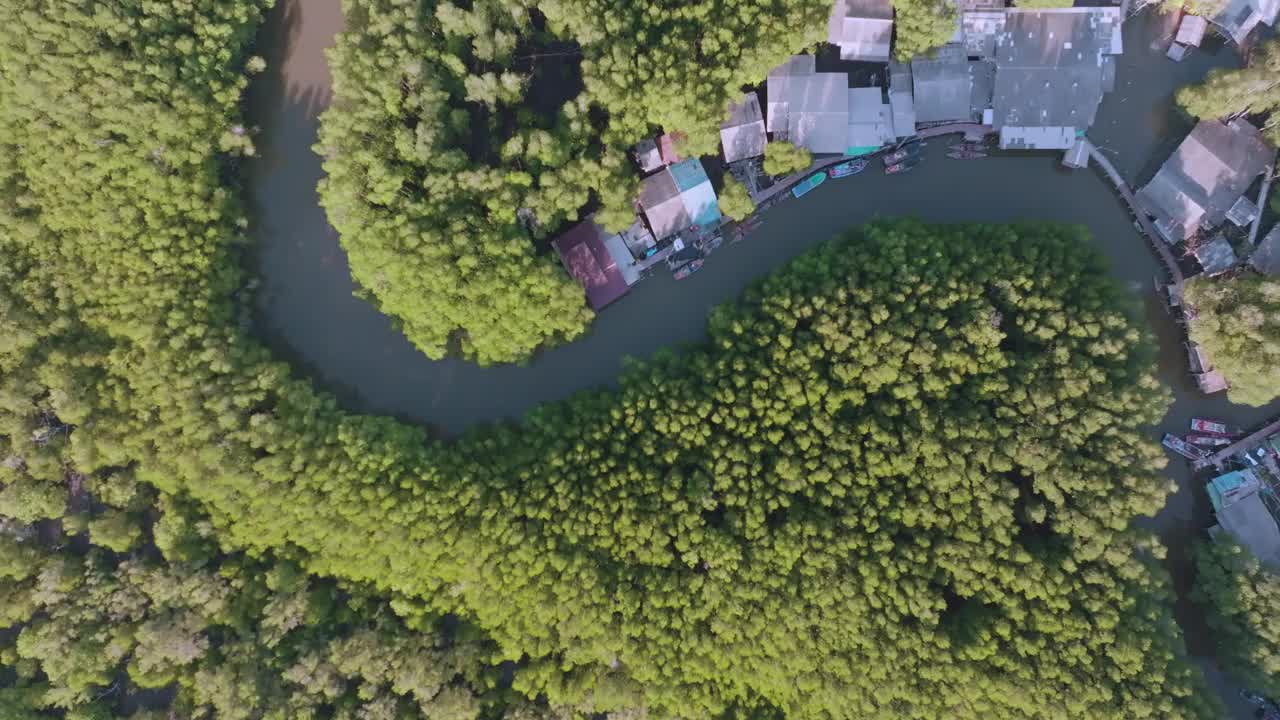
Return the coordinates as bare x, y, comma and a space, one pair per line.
942, 89
1191, 30
1204, 177
1052, 67
743, 134
1215, 256
862, 28
1249, 522
902, 100
585, 256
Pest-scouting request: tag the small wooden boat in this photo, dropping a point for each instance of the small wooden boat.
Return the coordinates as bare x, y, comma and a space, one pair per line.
1211, 427
904, 166
903, 153
1180, 446
845, 169
1208, 440
809, 183
966, 155
969, 145
688, 269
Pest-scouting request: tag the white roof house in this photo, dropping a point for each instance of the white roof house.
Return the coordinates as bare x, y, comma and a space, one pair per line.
807, 108
743, 135
870, 121
862, 28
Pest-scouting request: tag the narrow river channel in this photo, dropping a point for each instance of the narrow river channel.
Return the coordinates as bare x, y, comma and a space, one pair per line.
307, 313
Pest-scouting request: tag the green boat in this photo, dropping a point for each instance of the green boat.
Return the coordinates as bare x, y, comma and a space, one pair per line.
812, 182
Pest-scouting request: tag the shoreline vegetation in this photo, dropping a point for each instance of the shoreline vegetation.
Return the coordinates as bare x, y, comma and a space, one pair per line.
898, 479
497, 126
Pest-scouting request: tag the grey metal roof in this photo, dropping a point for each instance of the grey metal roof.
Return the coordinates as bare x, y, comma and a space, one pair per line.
1215, 256
1242, 212
1266, 259
870, 119
1249, 522
982, 84
812, 109
662, 206
980, 29
743, 135
902, 99
1191, 30
1204, 177
1238, 18
1051, 67
862, 28
941, 88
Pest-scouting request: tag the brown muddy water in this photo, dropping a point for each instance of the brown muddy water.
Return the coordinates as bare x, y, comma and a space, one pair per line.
306, 311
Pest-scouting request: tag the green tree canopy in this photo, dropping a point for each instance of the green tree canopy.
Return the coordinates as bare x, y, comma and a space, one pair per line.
783, 158
1253, 90
1241, 600
1238, 324
735, 201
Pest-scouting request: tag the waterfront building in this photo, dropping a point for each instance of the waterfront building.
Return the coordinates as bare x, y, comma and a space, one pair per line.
742, 135
1209, 379
1216, 256
808, 108
1244, 505
648, 156
678, 198
942, 86
1239, 18
1191, 30
902, 102
870, 121
1198, 185
979, 30
588, 260
863, 29
1052, 69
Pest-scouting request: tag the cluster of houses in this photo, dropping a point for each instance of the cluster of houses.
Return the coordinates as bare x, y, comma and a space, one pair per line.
1034, 77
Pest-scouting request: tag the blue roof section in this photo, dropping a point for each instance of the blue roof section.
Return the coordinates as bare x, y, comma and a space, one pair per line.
1224, 484
689, 174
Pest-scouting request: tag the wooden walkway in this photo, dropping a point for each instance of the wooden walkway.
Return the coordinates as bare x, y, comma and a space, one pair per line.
1153, 238
1255, 438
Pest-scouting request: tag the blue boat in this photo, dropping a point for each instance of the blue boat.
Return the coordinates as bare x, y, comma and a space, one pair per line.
808, 184
845, 169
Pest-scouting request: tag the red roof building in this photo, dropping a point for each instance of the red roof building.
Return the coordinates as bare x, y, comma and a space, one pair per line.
583, 252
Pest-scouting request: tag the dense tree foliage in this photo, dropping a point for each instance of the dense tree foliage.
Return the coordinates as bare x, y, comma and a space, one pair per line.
922, 25
896, 482
735, 200
1238, 323
1253, 90
1241, 600
234, 637
439, 168
784, 158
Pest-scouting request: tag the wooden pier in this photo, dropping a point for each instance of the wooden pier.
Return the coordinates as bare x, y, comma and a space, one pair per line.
1176, 278
1218, 459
